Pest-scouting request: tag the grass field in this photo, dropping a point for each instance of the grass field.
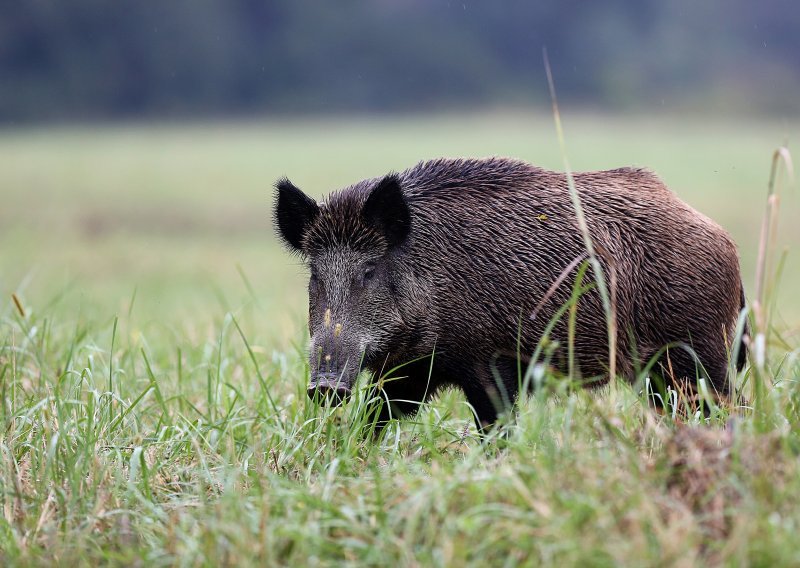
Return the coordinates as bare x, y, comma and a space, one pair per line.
153, 375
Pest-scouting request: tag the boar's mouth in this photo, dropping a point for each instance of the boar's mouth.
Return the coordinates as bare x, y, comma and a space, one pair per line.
328, 389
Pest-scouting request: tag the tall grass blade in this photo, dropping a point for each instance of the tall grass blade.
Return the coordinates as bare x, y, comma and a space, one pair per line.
583, 226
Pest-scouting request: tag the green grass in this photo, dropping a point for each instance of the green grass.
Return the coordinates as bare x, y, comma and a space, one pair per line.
153, 386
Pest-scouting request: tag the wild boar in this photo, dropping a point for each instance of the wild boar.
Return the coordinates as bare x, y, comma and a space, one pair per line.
438, 270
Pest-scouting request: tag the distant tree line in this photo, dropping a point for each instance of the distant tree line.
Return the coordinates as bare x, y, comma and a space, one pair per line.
96, 59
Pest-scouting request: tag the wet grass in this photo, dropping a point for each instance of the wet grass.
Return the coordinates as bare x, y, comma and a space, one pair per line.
153, 374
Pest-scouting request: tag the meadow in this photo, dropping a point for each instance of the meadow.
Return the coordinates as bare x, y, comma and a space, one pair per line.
152, 367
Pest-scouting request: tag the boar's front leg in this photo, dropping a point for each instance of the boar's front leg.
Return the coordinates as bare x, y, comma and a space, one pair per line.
491, 390
402, 392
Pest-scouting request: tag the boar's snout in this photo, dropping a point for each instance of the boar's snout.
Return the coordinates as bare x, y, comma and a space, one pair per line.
328, 388
333, 368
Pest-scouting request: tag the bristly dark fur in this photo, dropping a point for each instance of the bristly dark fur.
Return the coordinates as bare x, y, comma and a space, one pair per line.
341, 224
483, 241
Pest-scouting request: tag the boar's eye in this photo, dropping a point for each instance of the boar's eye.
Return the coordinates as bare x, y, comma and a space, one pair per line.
369, 271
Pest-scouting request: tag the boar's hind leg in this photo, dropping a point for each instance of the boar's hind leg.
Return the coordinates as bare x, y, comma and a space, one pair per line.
677, 368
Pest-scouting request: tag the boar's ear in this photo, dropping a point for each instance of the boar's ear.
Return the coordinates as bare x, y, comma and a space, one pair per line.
294, 213
386, 209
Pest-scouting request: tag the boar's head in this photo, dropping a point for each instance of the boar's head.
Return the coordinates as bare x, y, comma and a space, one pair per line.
352, 245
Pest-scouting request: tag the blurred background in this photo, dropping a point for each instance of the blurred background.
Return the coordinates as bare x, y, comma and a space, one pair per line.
139, 139
89, 59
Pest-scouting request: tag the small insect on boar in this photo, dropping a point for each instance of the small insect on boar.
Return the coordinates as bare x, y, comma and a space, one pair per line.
437, 271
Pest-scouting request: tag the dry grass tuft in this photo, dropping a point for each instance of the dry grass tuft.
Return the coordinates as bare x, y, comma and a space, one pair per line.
698, 465
708, 469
